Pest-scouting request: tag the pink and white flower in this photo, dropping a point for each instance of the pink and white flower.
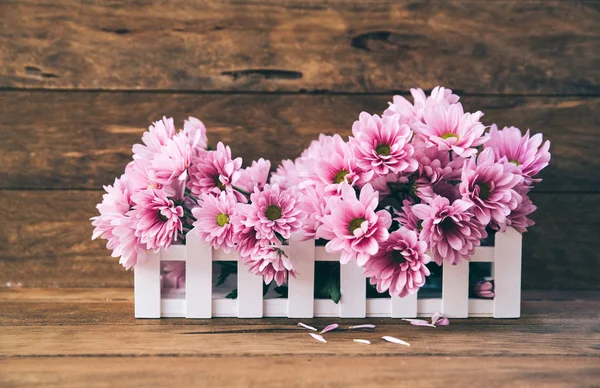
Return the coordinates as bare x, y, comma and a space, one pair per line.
382, 145
273, 213
407, 112
215, 171
213, 219
272, 263
254, 176
527, 153
449, 128
399, 265
489, 186
354, 228
336, 166
157, 219
314, 204
195, 132
451, 230
173, 160
287, 175
154, 139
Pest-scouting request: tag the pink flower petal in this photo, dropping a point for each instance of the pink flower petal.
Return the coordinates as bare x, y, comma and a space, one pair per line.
419, 322
435, 317
443, 322
306, 326
331, 327
366, 326
318, 337
395, 340
363, 341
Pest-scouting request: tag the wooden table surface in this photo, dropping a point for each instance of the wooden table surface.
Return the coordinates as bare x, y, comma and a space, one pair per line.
88, 337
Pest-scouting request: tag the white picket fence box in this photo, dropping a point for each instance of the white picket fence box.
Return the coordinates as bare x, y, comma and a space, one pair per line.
199, 302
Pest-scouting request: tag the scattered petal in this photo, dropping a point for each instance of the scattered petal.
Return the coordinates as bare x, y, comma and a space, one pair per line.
418, 322
367, 326
318, 337
443, 322
435, 317
395, 340
306, 326
362, 341
331, 327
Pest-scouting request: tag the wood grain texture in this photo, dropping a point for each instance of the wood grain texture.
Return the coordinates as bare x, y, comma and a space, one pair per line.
300, 371
296, 45
75, 140
45, 242
85, 337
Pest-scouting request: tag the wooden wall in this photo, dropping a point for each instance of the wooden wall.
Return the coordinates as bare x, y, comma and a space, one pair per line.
81, 80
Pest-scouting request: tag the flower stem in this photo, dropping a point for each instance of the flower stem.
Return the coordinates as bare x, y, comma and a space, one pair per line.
241, 191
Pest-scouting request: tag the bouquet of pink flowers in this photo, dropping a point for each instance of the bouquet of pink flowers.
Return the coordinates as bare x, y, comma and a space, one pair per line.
424, 181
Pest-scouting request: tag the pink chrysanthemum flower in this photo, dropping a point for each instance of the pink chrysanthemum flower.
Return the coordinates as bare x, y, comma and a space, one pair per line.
399, 265
448, 128
522, 151
254, 176
154, 139
157, 218
384, 184
435, 169
489, 186
450, 230
174, 274
129, 248
271, 263
173, 161
408, 113
406, 217
518, 216
382, 145
336, 166
314, 204
215, 171
274, 213
195, 132
114, 225
287, 175
213, 217
354, 228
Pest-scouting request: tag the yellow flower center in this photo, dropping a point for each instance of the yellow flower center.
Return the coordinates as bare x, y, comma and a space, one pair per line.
273, 212
222, 219
383, 149
449, 135
355, 224
339, 177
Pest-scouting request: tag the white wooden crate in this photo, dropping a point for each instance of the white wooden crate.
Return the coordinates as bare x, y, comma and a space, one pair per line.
199, 302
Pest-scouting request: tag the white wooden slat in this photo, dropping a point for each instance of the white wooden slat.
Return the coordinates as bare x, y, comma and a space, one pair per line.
378, 307
220, 255
147, 286
198, 277
455, 290
322, 255
224, 307
507, 274
483, 255
173, 253
172, 308
250, 293
326, 308
404, 307
428, 307
353, 287
481, 307
301, 288
275, 307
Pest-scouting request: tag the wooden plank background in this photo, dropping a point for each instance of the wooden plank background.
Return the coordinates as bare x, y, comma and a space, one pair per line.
80, 82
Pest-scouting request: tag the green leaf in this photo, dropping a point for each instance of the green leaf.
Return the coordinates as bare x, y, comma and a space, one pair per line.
327, 281
227, 268
282, 291
232, 294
